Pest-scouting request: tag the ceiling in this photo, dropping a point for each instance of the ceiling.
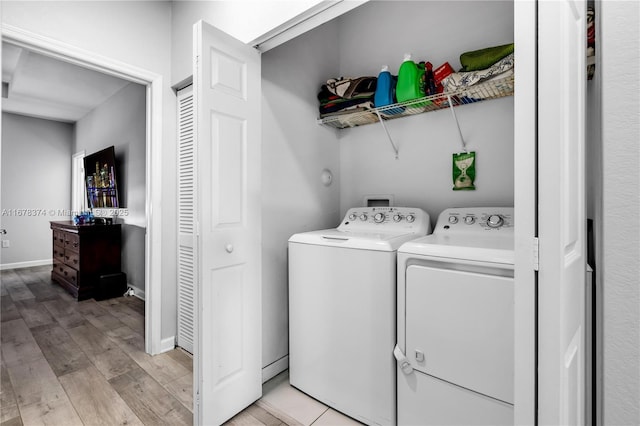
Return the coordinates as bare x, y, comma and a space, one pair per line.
44, 87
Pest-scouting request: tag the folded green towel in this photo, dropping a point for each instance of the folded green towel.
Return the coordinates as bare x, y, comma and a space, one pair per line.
484, 58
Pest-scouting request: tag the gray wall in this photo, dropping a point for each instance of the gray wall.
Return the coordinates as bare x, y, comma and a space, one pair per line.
295, 150
421, 177
620, 68
36, 176
121, 122
137, 33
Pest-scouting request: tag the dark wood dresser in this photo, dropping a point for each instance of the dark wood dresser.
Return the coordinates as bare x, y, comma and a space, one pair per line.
83, 253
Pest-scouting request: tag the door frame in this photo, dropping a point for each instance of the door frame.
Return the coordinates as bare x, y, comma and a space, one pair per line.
153, 189
525, 208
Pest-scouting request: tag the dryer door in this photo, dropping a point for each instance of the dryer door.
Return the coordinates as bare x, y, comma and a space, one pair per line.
459, 328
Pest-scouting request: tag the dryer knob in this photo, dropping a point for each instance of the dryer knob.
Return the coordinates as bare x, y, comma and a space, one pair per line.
378, 218
353, 216
453, 219
410, 218
469, 220
397, 218
495, 221
363, 216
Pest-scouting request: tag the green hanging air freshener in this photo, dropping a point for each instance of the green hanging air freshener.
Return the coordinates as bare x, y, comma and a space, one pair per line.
464, 171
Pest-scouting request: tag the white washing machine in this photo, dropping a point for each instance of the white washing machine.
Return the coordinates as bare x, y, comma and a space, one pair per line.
455, 321
342, 310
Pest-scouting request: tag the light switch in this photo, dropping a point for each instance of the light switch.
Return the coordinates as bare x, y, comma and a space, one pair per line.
419, 356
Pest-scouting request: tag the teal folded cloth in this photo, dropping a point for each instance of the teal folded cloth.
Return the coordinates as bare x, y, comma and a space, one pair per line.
484, 58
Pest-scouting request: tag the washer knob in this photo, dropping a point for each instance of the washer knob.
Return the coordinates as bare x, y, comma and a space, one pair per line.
397, 218
469, 220
363, 216
453, 219
353, 216
495, 221
378, 218
410, 218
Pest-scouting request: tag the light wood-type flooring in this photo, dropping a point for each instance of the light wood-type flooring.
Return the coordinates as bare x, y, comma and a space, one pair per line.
66, 362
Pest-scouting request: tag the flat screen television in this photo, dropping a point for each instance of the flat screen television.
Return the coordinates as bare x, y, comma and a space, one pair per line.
100, 179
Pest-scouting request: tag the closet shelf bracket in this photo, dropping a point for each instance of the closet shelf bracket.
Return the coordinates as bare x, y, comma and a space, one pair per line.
393, 145
455, 118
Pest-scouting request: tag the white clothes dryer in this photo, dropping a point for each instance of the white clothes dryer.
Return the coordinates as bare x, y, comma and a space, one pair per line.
342, 318
455, 321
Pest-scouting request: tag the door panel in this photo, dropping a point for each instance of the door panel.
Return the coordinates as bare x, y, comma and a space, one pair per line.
186, 221
562, 222
228, 356
459, 328
228, 181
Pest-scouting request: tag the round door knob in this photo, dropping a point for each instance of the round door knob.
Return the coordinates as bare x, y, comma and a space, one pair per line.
469, 220
410, 218
495, 221
378, 218
453, 219
229, 248
397, 218
363, 216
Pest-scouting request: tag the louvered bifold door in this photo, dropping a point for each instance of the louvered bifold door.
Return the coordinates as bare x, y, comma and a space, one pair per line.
186, 222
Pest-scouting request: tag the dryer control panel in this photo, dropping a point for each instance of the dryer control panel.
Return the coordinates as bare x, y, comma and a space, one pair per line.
386, 219
476, 220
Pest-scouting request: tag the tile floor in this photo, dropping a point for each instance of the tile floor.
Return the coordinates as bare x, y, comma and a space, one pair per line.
297, 408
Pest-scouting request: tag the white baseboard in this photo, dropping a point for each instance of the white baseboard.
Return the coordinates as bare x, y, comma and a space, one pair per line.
167, 344
275, 368
29, 264
137, 292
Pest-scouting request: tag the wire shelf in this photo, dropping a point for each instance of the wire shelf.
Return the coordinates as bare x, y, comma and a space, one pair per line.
492, 89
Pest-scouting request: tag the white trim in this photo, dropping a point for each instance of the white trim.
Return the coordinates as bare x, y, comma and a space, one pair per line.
78, 198
525, 210
168, 344
275, 368
153, 237
307, 20
28, 264
137, 291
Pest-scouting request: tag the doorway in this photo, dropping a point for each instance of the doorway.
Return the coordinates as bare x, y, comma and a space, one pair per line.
153, 115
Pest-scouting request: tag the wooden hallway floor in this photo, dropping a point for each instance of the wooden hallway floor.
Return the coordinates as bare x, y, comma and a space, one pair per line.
65, 362
71, 363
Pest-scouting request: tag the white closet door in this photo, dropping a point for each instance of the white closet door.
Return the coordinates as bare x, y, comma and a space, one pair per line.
227, 99
186, 227
562, 225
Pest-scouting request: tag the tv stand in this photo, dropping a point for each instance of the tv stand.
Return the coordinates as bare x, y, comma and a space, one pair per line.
84, 253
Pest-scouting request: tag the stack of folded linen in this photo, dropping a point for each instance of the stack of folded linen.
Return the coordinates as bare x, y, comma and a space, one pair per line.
479, 66
341, 95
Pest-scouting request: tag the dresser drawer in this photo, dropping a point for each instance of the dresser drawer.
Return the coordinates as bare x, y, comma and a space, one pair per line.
58, 253
65, 272
71, 241
72, 259
58, 237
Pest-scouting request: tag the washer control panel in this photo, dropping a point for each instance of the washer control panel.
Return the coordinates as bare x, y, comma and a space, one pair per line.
476, 220
386, 219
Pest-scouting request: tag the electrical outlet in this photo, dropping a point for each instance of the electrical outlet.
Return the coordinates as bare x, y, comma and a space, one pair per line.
5, 243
